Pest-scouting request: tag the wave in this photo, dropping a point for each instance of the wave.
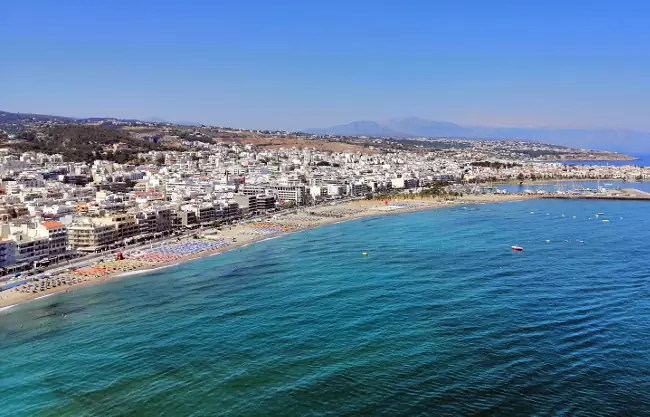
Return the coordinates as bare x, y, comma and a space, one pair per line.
145, 271
267, 239
44, 296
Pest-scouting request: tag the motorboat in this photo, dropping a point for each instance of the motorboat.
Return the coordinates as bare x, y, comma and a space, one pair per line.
517, 248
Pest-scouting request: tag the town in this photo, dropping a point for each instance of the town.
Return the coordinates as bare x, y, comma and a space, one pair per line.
72, 189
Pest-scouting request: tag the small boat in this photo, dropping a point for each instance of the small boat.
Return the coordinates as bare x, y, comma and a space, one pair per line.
600, 213
605, 221
517, 248
580, 241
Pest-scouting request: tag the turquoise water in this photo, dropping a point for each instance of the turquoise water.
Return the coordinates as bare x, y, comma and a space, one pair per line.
441, 318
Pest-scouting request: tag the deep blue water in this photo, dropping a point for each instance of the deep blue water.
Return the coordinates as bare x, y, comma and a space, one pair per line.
441, 318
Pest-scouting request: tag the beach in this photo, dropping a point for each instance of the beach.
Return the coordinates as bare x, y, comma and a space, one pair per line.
173, 253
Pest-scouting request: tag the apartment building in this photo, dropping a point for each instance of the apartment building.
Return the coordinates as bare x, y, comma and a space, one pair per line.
188, 218
88, 235
317, 191
31, 242
30, 248
247, 203
231, 210
203, 213
295, 193
265, 202
7, 252
360, 189
146, 221
56, 234
125, 225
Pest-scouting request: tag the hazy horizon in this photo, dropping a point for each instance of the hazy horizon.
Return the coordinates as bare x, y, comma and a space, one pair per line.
299, 66
160, 119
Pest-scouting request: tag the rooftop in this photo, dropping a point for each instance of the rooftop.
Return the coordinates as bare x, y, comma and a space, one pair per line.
52, 224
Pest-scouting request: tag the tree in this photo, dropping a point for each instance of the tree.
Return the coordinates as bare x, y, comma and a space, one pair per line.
160, 160
83, 142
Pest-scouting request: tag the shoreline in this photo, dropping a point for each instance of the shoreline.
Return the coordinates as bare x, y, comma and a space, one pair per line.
245, 236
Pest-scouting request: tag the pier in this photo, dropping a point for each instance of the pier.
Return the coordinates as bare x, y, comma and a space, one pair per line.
622, 194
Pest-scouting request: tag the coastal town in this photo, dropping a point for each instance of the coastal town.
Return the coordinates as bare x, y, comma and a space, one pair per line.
85, 200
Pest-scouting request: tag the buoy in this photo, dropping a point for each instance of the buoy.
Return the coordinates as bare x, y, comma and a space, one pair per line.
364, 253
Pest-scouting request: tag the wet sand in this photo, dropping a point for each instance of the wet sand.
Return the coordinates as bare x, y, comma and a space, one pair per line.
255, 231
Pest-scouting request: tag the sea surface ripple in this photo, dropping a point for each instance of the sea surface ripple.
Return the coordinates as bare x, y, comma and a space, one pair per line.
441, 318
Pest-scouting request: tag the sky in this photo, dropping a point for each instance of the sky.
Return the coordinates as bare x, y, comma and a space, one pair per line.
305, 64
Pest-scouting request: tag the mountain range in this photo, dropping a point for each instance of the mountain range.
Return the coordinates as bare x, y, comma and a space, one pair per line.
618, 140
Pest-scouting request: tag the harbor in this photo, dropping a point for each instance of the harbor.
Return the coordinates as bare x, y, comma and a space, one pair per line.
617, 194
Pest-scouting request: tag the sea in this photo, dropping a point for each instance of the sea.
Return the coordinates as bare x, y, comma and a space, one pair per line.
441, 318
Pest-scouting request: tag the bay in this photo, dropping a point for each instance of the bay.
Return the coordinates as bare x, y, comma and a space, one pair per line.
441, 318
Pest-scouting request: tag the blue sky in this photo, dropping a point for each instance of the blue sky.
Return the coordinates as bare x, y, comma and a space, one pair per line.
299, 64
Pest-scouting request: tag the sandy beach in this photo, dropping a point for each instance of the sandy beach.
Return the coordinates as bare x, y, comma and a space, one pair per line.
172, 253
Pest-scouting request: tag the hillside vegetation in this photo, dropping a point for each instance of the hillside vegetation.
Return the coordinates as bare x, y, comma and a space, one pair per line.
82, 143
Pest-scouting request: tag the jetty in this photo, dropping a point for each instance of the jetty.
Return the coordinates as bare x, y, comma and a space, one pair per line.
619, 194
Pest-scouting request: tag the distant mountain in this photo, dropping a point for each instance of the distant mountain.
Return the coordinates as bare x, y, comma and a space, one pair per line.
8, 117
415, 126
407, 127
619, 140
360, 128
